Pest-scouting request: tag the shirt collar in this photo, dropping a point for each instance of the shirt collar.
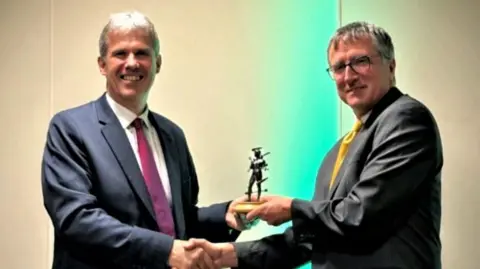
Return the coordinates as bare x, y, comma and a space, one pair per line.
364, 118
124, 115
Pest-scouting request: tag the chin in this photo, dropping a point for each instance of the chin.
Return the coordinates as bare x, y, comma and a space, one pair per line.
354, 101
127, 94
131, 90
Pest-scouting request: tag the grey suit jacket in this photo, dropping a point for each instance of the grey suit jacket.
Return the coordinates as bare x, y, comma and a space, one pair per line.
384, 209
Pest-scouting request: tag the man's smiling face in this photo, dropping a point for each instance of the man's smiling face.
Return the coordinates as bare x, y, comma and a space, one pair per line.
360, 74
130, 65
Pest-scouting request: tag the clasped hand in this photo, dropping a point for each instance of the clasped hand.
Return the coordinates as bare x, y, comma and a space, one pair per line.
201, 254
194, 254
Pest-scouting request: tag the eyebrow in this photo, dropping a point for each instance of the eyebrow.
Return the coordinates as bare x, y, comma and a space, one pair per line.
148, 50
355, 57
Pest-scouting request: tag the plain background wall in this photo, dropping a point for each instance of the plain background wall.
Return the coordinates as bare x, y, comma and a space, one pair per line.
49, 51
224, 66
24, 112
437, 47
46, 69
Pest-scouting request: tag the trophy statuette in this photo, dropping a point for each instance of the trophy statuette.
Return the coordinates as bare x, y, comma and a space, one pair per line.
257, 165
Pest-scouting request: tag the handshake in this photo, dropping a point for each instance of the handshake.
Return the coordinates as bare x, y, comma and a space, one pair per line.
202, 254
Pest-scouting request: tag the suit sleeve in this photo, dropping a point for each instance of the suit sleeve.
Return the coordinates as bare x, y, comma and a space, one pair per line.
274, 251
77, 217
206, 222
404, 156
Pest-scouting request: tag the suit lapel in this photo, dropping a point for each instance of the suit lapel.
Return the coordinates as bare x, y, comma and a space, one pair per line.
357, 145
170, 152
116, 138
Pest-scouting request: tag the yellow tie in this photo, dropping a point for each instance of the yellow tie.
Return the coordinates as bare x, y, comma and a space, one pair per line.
343, 150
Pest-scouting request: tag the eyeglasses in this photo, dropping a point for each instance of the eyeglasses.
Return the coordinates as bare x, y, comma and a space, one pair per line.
360, 65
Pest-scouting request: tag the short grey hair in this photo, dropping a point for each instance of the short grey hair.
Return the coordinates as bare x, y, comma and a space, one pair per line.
127, 21
355, 30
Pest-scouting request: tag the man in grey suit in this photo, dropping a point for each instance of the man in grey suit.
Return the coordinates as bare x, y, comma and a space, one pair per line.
377, 197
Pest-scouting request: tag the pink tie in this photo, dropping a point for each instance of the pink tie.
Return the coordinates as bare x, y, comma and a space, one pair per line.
154, 184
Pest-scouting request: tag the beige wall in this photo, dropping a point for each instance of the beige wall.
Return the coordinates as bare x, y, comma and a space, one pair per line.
24, 111
203, 62
437, 50
49, 63
49, 50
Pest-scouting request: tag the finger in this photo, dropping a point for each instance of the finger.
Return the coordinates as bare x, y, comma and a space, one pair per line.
252, 214
276, 222
195, 259
240, 222
265, 198
198, 265
207, 262
217, 263
252, 223
257, 212
202, 260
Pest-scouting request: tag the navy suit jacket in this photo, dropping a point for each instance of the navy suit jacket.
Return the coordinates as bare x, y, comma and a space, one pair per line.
95, 195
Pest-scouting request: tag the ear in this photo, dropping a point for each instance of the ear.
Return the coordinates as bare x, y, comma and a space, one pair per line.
101, 65
392, 66
159, 63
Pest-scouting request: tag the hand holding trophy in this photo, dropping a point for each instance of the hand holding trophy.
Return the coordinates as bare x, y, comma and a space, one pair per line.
257, 165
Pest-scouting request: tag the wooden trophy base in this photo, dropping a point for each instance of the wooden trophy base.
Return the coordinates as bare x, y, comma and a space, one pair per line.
245, 207
242, 210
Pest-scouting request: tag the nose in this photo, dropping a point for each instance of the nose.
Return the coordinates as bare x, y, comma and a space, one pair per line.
349, 75
132, 61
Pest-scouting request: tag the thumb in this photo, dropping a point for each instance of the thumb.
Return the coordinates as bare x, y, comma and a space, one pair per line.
189, 245
253, 214
193, 243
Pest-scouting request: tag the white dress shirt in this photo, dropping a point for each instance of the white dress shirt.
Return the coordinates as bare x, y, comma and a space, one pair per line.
126, 117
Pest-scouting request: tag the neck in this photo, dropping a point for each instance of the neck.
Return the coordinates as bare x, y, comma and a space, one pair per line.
136, 108
135, 104
360, 112
363, 110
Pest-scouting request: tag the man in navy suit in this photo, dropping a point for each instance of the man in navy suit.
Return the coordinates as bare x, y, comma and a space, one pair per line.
118, 180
